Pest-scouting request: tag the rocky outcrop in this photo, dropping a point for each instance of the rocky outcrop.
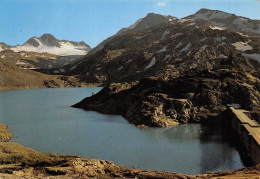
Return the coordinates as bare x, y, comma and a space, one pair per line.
158, 102
4, 133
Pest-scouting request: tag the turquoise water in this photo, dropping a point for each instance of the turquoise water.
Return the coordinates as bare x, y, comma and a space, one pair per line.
42, 119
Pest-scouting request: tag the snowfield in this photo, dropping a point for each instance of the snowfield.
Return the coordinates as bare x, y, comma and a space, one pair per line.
65, 49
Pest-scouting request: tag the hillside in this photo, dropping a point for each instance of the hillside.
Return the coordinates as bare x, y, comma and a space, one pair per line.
12, 77
170, 49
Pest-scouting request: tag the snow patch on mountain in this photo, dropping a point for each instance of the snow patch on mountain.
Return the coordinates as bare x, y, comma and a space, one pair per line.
176, 35
183, 20
64, 50
204, 47
166, 57
252, 56
72, 68
242, 46
152, 63
221, 56
167, 32
179, 44
221, 38
139, 37
129, 61
186, 47
162, 50
203, 39
120, 68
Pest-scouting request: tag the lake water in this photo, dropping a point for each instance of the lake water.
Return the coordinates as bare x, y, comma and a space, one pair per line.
42, 119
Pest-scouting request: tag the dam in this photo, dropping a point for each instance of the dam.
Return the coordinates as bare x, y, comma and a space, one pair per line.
248, 131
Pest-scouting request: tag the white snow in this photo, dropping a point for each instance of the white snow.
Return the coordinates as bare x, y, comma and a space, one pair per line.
22, 54
252, 56
166, 57
49, 66
72, 68
152, 63
183, 20
191, 24
221, 56
138, 71
242, 46
129, 61
175, 35
65, 49
167, 32
186, 47
234, 105
179, 45
162, 50
221, 38
222, 43
3, 56
120, 68
139, 37
203, 39
56, 71
62, 70
204, 47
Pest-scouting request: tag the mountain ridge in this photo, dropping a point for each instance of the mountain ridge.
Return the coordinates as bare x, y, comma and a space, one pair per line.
168, 49
47, 43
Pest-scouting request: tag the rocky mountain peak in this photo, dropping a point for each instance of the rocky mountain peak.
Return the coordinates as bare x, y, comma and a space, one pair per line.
49, 40
33, 42
150, 20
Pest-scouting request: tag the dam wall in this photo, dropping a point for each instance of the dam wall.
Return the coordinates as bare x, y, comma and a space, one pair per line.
248, 131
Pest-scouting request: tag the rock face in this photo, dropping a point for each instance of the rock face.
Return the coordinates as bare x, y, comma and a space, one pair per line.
158, 102
171, 48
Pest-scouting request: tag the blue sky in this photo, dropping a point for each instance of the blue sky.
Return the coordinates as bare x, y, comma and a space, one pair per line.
93, 21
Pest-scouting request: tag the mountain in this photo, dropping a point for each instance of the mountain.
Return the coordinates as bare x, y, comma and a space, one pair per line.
47, 43
148, 21
179, 71
144, 23
222, 20
4, 46
45, 52
169, 49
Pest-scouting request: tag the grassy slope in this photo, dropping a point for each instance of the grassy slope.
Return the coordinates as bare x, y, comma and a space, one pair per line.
12, 77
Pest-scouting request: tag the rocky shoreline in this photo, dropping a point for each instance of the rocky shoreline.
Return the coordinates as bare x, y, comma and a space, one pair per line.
158, 102
17, 161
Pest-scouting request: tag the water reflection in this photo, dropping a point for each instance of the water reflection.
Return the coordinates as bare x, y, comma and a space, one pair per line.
189, 148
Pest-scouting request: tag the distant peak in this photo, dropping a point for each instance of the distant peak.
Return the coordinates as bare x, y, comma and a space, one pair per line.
204, 10
153, 15
49, 40
47, 36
